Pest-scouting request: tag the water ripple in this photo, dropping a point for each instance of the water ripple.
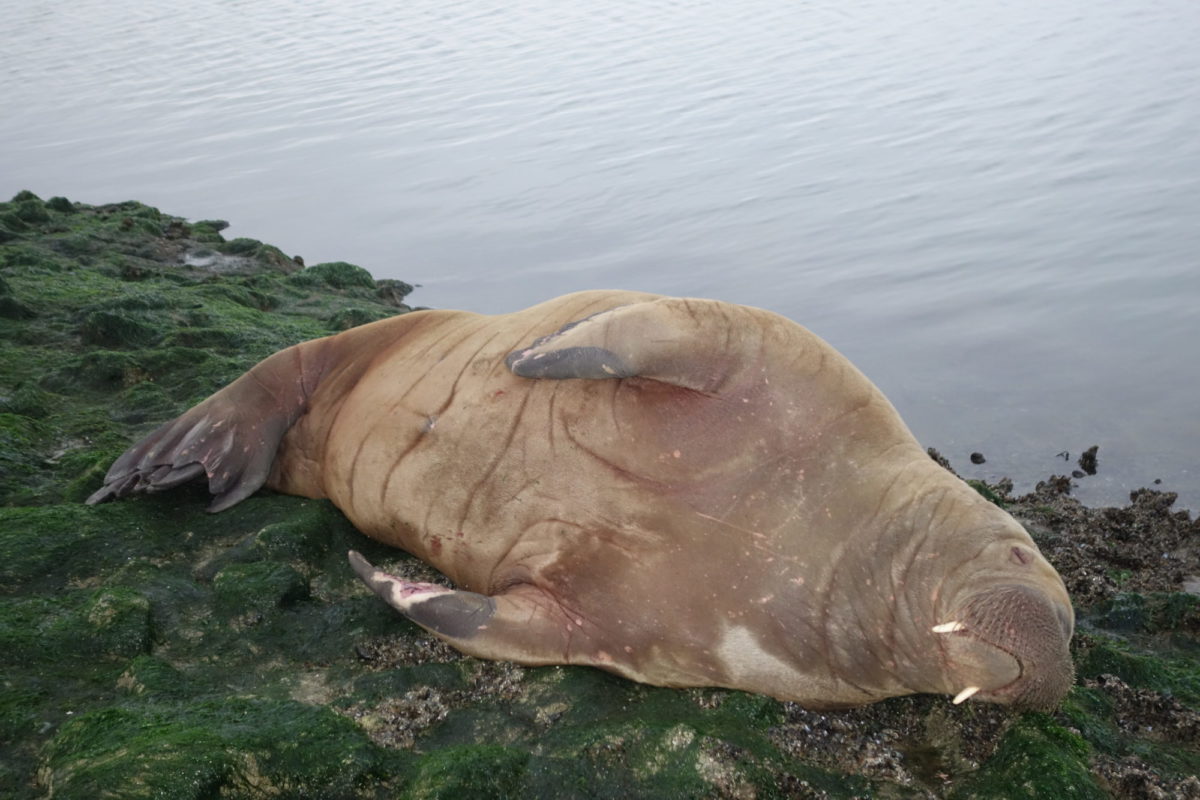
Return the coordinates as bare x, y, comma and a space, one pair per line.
995, 198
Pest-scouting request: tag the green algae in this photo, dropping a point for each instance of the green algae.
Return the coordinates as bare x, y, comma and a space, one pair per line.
244, 747
1156, 612
1036, 758
335, 274
1167, 670
148, 649
259, 586
986, 492
112, 622
488, 772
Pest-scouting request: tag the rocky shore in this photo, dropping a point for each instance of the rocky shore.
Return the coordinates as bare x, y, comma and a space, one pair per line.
148, 649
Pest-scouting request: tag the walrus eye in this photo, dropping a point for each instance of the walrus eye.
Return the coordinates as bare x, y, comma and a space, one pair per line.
1019, 556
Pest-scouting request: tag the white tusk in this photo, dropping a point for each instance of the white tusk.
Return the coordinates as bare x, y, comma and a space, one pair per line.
948, 627
965, 694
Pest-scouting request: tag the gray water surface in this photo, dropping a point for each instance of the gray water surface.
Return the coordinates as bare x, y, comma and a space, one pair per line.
993, 208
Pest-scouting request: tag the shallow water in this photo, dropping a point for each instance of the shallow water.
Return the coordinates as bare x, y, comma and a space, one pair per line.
992, 207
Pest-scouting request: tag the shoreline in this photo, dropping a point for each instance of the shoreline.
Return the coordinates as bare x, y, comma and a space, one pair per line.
147, 645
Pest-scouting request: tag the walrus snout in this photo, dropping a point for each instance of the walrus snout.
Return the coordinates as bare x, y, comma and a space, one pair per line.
1010, 643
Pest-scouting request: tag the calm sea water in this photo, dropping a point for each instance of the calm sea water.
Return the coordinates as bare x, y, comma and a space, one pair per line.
992, 207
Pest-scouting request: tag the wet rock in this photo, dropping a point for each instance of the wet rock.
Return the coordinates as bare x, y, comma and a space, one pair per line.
1056, 484
483, 770
393, 292
31, 210
348, 318
336, 275
205, 749
939, 458
61, 205
119, 329
259, 586
1087, 461
10, 306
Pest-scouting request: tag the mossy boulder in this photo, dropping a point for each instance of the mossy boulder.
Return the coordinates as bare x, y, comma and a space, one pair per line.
231, 747
111, 622
119, 329
259, 586
1036, 758
336, 275
348, 318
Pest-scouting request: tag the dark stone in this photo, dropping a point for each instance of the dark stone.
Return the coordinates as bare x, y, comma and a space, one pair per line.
12, 308
240, 247
353, 317
393, 292
61, 204
1087, 461
336, 275
117, 329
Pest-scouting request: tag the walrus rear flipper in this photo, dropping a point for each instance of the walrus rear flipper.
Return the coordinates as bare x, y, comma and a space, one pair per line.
521, 624
231, 437
657, 339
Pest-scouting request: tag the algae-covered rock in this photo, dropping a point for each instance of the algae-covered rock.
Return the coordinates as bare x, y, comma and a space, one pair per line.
258, 587
483, 771
238, 747
148, 649
353, 317
335, 274
1036, 758
112, 622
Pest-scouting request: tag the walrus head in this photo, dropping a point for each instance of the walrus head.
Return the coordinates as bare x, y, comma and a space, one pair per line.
1005, 637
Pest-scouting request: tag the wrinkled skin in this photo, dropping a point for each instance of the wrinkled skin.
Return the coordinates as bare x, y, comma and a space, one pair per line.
684, 492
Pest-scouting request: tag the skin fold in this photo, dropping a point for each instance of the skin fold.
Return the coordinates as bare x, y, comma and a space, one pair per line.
684, 492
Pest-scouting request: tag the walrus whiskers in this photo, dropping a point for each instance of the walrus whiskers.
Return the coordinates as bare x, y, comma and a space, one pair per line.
948, 627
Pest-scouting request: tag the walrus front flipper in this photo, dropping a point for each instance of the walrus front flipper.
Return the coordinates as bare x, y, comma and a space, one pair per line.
231, 437
521, 624
691, 343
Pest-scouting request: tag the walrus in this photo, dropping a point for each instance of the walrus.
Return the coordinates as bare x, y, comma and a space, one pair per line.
684, 492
